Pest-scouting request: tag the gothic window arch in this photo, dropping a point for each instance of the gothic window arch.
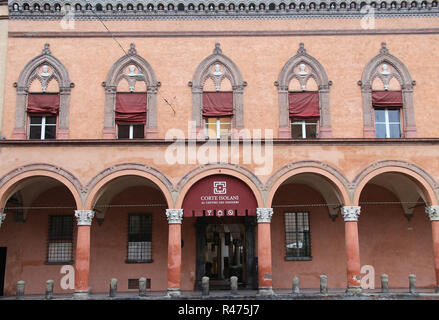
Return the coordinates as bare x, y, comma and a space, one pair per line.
43, 71
388, 71
302, 67
216, 68
135, 71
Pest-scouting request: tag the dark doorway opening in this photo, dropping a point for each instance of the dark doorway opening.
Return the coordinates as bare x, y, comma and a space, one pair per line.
226, 247
2, 269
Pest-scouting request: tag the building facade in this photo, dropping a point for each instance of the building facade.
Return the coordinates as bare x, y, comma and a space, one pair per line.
172, 140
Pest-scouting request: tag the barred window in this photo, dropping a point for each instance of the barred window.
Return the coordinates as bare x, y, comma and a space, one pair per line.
60, 244
297, 235
139, 238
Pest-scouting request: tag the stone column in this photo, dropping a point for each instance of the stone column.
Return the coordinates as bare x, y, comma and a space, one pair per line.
264, 250
82, 259
350, 215
175, 217
433, 213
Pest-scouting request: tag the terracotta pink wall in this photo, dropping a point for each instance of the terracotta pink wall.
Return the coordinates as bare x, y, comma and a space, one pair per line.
327, 241
110, 240
392, 244
27, 245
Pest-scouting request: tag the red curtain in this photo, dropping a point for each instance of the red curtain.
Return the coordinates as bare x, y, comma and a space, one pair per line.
387, 99
217, 104
42, 104
304, 105
130, 108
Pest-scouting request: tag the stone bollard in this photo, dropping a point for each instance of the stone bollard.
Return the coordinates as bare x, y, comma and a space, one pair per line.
234, 285
323, 284
384, 283
205, 286
142, 287
20, 289
296, 287
113, 287
412, 284
49, 289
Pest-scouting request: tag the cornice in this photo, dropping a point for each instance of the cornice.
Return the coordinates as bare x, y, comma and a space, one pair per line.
219, 9
289, 142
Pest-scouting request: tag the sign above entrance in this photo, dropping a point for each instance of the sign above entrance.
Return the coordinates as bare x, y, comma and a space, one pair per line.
220, 196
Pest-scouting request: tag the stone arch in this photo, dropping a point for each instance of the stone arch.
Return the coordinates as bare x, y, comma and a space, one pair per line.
185, 183
29, 74
316, 72
232, 73
332, 175
96, 185
115, 75
10, 181
423, 180
400, 72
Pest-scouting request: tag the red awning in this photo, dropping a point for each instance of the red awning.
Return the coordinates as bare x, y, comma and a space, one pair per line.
304, 105
217, 104
42, 104
387, 99
219, 195
130, 108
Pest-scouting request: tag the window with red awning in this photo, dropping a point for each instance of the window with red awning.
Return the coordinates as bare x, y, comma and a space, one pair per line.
131, 108
304, 105
217, 104
42, 104
387, 99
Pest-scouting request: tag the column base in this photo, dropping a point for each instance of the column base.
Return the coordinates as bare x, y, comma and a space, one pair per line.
80, 295
353, 290
265, 291
173, 292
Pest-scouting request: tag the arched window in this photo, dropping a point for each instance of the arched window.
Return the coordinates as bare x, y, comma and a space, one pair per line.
130, 7
180, 7
99, 7
387, 92
262, 6
43, 95
191, 6
217, 96
303, 91
232, 6
109, 7
130, 98
140, 7
78, 7
119, 7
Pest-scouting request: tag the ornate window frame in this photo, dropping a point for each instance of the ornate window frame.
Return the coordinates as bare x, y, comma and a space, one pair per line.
397, 70
318, 73
232, 73
116, 74
29, 74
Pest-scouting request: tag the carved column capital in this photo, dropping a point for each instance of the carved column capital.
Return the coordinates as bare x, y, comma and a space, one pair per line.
84, 217
350, 213
175, 216
2, 218
433, 212
264, 215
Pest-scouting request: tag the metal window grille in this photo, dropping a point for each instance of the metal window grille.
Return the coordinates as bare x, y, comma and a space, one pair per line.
60, 244
139, 238
297, 234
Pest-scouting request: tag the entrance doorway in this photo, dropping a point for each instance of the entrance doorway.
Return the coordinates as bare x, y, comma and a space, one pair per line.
2, 269
225, 248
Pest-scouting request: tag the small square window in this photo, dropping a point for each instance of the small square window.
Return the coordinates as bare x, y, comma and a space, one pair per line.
139, 238
41, 128
130, 131
60, 245
297, 235
305, 129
